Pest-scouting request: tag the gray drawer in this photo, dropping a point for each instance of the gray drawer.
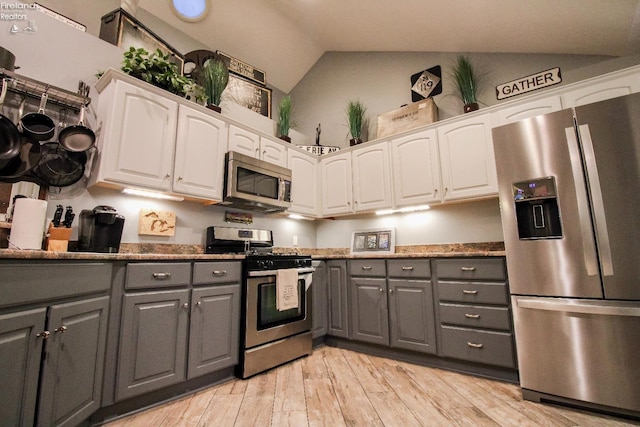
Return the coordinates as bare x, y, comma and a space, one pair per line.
33, 282
492, 348
475, 316
157, 275
216, 272
408, 268
367, 267
473, 292
471, 268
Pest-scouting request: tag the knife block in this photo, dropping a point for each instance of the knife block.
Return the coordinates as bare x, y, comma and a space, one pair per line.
58, 238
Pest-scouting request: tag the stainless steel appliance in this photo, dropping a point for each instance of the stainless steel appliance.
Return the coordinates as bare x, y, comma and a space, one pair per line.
257, 185
569, 184
269, 336
100, 230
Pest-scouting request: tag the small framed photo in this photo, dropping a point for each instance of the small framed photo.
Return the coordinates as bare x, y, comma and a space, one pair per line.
373, 241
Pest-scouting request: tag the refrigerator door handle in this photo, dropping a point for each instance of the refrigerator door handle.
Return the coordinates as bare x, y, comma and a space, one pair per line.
602, 232
578, 307
588, 244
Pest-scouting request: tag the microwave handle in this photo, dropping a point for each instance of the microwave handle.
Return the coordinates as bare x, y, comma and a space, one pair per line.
281, 197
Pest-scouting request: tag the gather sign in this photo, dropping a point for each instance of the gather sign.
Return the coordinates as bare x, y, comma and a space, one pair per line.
529, 83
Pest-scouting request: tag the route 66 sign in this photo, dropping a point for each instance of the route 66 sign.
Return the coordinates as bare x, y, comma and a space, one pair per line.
426, 84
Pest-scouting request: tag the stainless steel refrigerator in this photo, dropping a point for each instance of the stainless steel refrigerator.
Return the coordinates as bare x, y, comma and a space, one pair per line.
569, 187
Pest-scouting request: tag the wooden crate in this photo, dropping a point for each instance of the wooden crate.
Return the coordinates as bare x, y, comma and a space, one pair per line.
412, 116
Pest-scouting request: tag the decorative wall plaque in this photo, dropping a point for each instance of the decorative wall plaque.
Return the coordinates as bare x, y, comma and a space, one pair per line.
374, 241
529, 83
154, 222
426, 84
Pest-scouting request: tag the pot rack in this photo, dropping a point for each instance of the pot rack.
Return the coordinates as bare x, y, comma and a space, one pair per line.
34, 88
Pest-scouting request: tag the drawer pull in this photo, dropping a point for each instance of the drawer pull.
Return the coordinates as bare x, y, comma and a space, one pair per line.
220, 272
367, 268
407, 268
471, 316
474, 345
161, 276
44, 335
185, 305
61, 330
469, 292
468, 268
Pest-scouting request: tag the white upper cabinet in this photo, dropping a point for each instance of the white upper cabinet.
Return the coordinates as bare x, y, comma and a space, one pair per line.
371, 177
335, 175
527, 109
416, 169
304, 187
251, 144
601, 88
199, 156
137, 138
467, 159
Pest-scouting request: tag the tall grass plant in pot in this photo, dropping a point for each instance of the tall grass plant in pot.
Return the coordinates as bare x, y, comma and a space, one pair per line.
356, 120
216, 78
469, 82
285, 123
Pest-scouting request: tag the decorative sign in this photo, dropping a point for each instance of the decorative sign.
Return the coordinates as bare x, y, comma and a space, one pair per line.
426, 84
238, 217
59, 17
156, 223
319, 150
250, 95
373, 241
243, 69
529, 83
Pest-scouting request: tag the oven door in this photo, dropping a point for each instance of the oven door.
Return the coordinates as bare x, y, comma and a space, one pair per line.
264, 322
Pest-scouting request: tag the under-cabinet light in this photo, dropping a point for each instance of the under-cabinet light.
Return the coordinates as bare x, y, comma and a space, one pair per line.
152, 194
403, 210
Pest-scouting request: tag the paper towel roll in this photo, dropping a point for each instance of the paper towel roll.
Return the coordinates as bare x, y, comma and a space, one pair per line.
27, 228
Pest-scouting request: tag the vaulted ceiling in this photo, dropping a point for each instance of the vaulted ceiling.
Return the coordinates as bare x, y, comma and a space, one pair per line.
286, 37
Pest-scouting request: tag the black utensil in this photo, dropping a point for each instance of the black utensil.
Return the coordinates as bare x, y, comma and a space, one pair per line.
57, 216
69, 220
68, 217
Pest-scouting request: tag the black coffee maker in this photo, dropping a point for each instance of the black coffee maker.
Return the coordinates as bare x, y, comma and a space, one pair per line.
100, 230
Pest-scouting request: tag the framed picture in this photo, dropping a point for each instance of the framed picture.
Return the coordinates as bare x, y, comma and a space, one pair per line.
373, 241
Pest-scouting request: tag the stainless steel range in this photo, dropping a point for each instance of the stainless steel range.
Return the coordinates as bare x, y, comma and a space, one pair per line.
276, 299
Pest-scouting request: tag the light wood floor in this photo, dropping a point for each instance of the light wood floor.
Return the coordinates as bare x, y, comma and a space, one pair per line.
335, 387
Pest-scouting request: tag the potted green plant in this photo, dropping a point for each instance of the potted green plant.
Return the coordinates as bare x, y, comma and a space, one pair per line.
156, 68
216, 77
468, 82
284, 118
356, 119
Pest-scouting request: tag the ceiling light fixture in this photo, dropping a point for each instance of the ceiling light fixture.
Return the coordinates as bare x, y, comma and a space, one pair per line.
403, 210
190, 10
152, 194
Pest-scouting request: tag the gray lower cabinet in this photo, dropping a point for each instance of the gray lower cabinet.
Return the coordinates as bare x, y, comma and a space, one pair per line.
474, 314
320, 297
411, 315
337, 287
52, 351
168, 336
369, 314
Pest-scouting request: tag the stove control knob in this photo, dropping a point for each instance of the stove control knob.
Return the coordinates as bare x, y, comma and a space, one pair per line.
269, 264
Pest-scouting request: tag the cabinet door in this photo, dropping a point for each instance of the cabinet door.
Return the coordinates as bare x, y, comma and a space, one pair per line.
412, 315
273, 152
199, 159
153, 342
319, 300
214, 329
338, 307
371, 177
528, 109
20, 354
369, 314
605, 87
139, 138
416, 169
244, 142
467, 159
304, 188
335, 173
72, 370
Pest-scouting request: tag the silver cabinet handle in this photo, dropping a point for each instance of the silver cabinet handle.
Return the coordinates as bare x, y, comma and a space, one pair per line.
185, 305
469, 292
381, 290
471, 316
199, 303
407, 268
390, 291
367, 268
44, 335
167, 176
61, 330
179, 178
161, 276
474, 345
219, 272
468, 268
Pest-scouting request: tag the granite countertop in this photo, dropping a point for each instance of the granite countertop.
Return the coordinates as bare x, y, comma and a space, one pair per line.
168, 252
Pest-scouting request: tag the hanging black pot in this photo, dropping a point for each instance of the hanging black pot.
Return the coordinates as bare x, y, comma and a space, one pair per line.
19, 168
38, 125
9, 135
59, 167
78, 137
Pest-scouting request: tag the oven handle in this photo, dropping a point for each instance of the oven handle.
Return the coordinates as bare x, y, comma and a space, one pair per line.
273, 272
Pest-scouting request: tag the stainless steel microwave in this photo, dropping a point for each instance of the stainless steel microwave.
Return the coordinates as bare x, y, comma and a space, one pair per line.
254, 184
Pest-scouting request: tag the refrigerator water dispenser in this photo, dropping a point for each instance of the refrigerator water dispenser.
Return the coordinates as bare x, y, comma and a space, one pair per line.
537, 210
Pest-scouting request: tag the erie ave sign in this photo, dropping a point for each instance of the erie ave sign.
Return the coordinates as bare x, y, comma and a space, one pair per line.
529, 83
